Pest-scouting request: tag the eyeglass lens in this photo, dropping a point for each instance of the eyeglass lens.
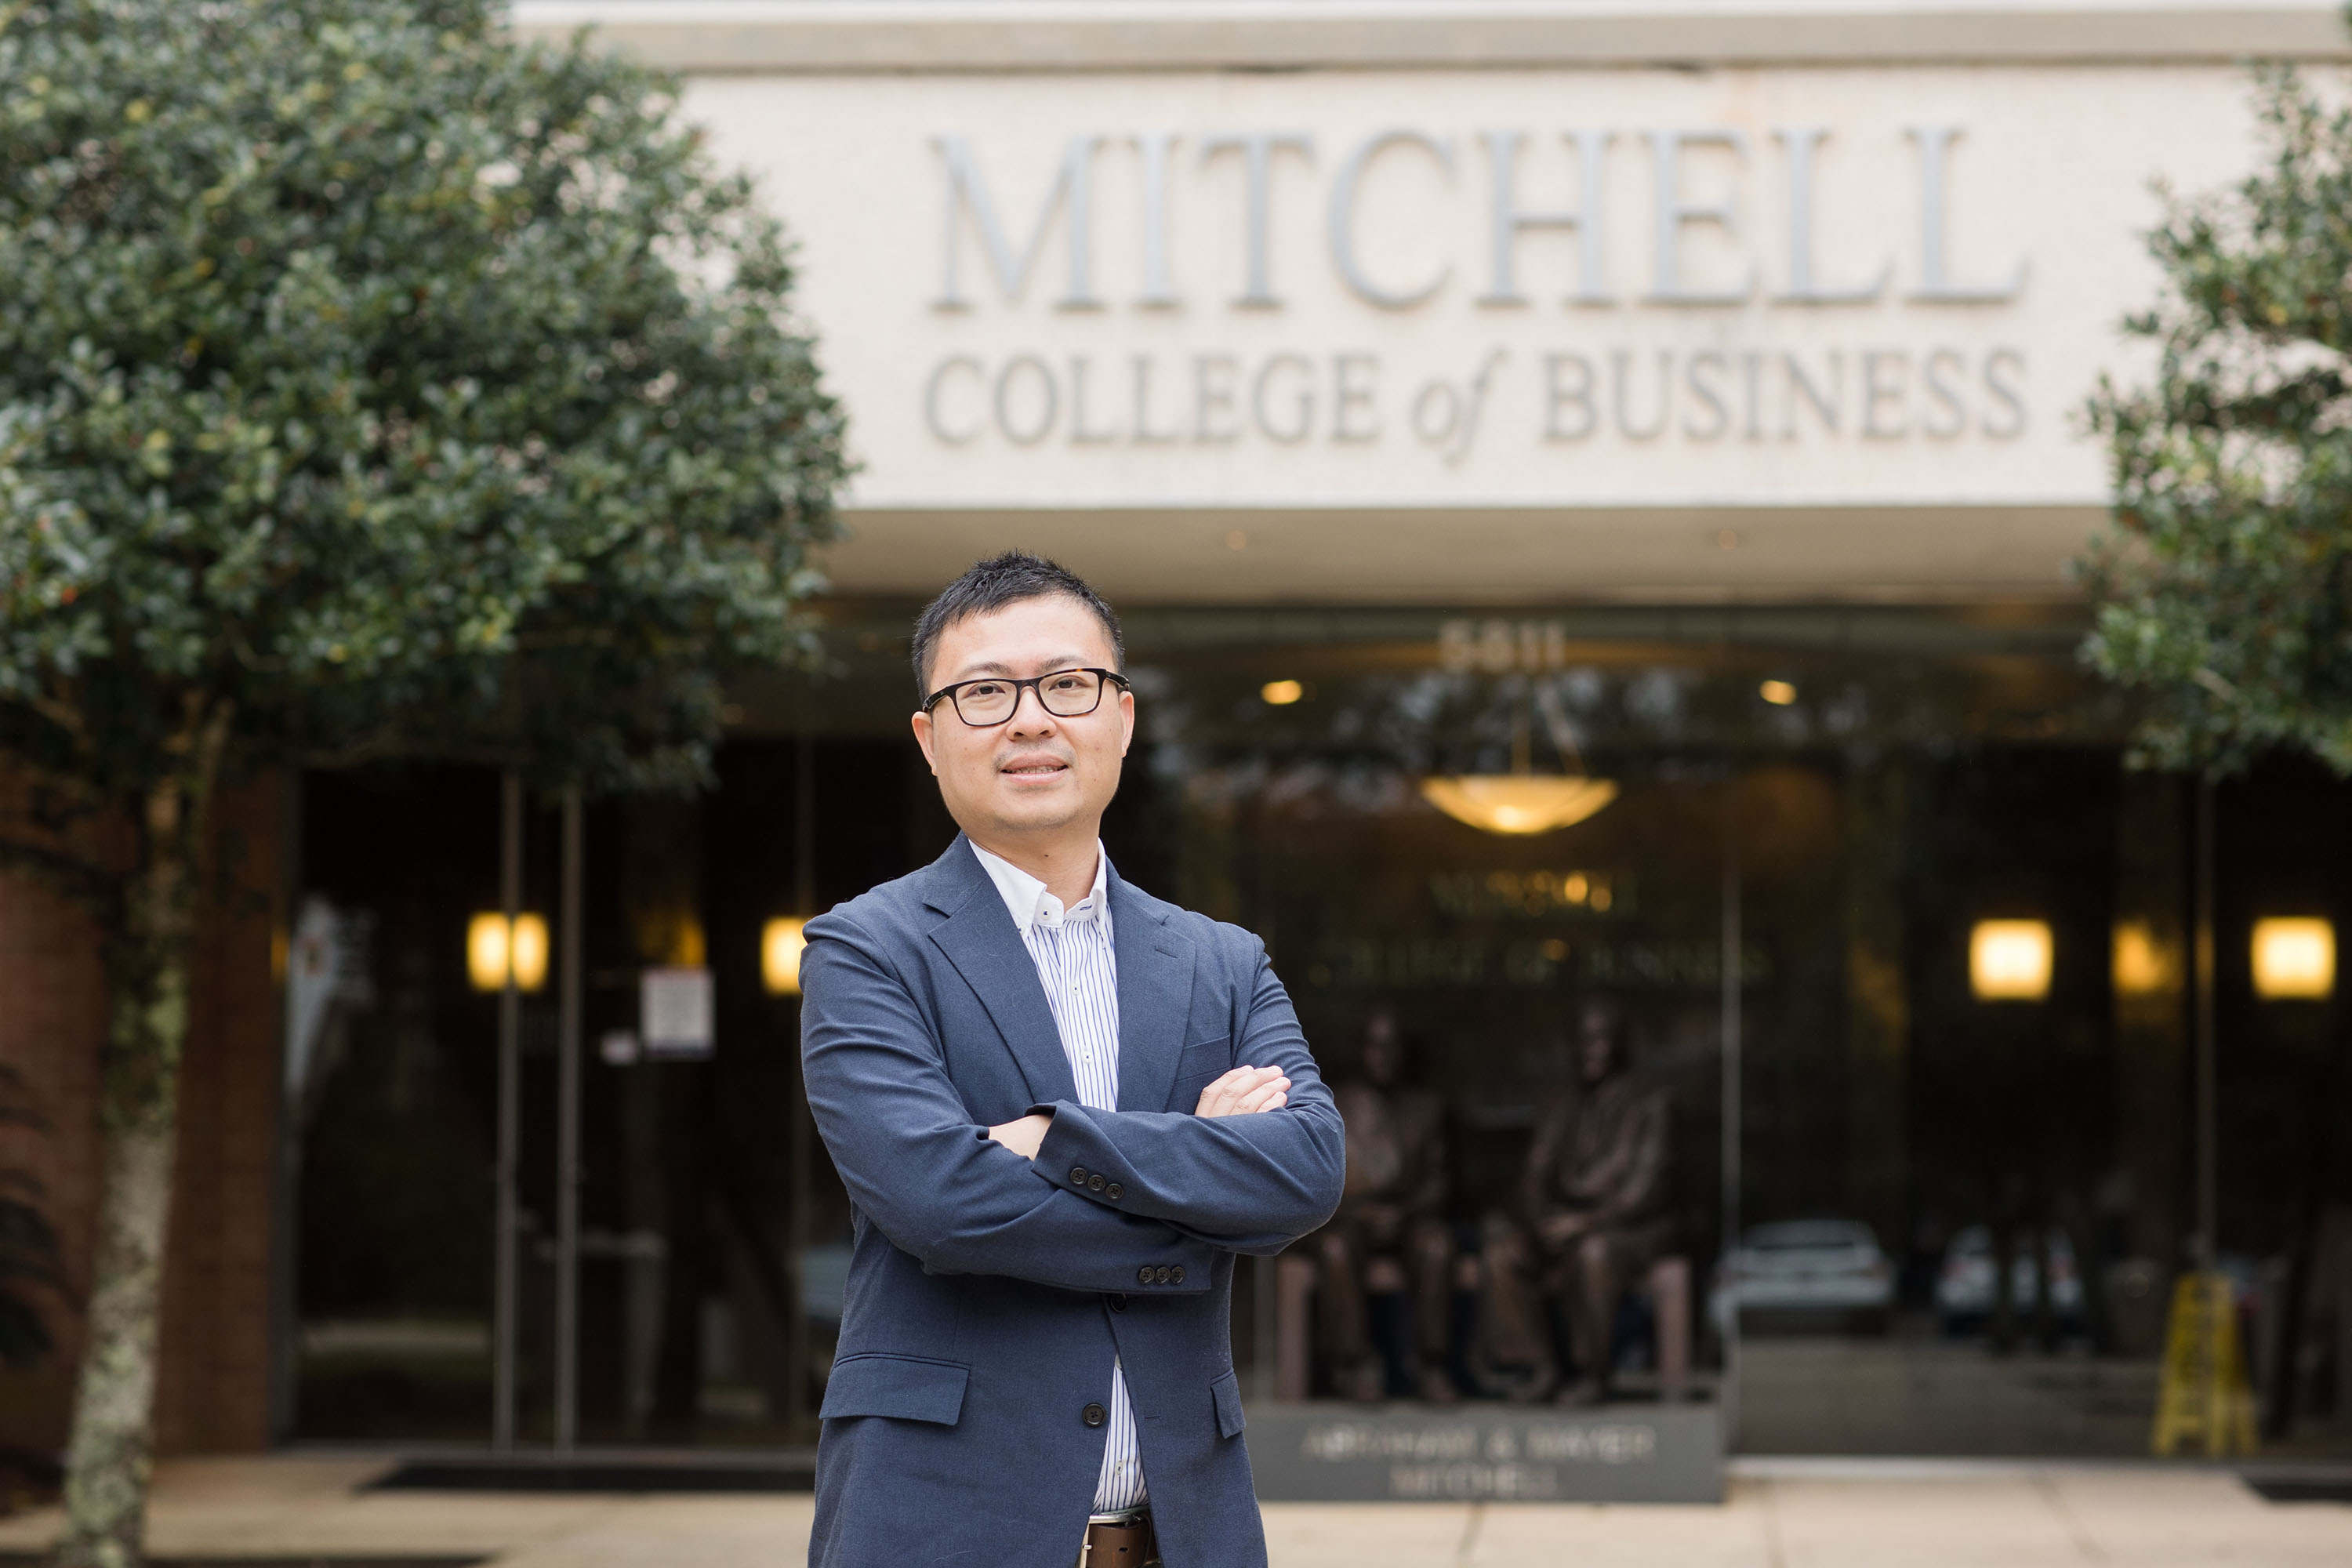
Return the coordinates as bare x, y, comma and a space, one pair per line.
1066, 694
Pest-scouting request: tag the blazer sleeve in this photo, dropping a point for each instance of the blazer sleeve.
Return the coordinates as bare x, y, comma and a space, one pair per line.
1247, 1184
919, 1166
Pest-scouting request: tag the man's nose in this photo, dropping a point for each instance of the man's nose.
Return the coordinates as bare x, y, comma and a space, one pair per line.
1029, 714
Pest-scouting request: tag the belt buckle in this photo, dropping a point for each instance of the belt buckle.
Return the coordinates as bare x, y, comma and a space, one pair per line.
1118, 1519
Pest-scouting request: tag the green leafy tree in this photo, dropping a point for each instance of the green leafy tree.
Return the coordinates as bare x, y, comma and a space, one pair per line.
368, 386
2223, 588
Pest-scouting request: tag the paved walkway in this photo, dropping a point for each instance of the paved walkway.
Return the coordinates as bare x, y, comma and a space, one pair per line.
1780, 1514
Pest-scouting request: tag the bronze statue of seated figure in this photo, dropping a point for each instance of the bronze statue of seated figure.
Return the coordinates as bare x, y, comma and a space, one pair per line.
1591, 1216
1389, 1232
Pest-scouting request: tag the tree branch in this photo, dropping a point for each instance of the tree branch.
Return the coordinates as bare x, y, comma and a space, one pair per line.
82, 882
387, 745
61, 713
55, 797
382, 746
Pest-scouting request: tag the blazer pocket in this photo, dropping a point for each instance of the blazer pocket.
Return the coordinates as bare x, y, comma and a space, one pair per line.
1227, 1394
905, 1387
1201, 1065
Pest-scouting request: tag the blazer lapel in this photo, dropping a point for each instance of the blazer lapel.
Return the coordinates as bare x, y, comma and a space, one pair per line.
1155, 996
981, 939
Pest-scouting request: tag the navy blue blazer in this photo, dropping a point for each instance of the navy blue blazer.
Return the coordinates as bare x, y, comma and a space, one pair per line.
988, 1293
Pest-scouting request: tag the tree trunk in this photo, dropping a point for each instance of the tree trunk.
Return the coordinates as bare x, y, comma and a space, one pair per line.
110, 1451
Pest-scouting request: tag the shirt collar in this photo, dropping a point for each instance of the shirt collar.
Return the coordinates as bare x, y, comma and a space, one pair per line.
1030, 904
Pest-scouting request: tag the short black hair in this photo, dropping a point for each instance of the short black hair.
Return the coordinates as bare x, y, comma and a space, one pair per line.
991, 585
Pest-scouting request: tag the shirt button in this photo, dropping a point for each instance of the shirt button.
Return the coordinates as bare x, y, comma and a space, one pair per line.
1094, 1415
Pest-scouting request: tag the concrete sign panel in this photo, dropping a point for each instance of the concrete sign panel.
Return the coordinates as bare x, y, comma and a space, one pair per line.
1620, 1454
1733, 288
1443, 335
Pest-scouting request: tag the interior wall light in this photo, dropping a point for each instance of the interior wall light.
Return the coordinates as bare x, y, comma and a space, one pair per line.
1779, 693
2143, 964
671, 938
487, 950
2294, 959
782, 942
1281, 693
2008, 961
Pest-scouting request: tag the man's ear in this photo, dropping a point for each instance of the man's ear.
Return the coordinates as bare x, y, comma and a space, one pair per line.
922, 722
1126, 719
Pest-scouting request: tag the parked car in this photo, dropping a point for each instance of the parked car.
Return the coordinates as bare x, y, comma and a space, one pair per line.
1807, 1270
1965, 1288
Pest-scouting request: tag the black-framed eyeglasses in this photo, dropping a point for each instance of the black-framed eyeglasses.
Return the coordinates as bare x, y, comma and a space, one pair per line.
991, 699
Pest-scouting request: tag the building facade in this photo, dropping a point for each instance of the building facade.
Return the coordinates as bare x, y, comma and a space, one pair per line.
1460, 402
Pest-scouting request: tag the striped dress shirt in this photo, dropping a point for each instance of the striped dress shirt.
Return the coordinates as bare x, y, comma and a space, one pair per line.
1079, 969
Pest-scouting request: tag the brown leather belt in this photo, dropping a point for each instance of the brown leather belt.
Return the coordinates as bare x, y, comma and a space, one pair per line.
1128, 1543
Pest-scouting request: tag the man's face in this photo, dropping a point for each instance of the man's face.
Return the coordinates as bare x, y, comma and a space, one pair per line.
1382, 1055
1596, 1041
1033, 774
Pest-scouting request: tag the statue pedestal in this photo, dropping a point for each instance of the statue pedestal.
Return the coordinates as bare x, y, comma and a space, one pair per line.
1615, 1453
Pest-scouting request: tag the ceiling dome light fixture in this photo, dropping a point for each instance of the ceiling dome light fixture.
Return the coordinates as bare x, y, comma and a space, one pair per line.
1518, 804
1523, 803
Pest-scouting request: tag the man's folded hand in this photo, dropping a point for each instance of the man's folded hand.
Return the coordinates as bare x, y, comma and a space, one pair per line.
1245, 1090
1024, 1136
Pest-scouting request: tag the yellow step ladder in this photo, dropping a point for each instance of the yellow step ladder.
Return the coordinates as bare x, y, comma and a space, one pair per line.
2205, 1396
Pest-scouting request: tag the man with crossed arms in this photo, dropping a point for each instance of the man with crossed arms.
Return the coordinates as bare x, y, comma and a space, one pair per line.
1061, 1107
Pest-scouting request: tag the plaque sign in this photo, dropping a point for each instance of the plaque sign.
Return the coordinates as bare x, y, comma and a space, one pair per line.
1632, 1453
674, 1009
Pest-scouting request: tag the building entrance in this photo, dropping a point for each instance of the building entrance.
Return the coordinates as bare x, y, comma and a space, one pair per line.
1787, 1009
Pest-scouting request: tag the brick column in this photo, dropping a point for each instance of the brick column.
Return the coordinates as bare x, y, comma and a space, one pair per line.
213, 1394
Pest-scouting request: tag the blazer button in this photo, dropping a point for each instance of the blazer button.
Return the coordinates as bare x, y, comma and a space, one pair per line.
1160, 1276
1095, 1181
1143, 1275
1115, 1192
1176, 1275
1118, 1301
1077, 1175
1094, 1415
